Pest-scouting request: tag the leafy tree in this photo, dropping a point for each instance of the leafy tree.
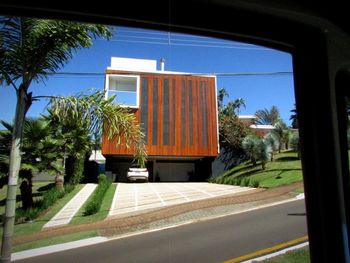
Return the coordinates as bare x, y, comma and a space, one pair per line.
231, 130
267, 117
30, 49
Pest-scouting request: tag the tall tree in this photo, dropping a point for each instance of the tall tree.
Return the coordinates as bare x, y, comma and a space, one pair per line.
258, 149
40, 152
95, 114
231, 130
294, 118
267, 117
30, 49
222, 93
282, 134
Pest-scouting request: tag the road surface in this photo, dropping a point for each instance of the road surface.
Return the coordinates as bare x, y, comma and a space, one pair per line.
214, 240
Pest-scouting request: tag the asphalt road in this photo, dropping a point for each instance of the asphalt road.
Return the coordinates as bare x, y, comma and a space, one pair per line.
209, 241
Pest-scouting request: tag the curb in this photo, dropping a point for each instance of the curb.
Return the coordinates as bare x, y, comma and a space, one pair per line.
57, 248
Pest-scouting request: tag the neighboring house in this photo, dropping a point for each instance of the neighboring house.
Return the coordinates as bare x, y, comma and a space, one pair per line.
178, 114
258, 129
99, 159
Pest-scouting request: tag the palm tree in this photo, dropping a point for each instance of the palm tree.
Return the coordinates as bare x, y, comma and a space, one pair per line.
30, 49
249, 146
294, 118
282, 134
267, 117
237, 104
222, 93
39, 153
96, 115
273, 142
258, 149
262, 152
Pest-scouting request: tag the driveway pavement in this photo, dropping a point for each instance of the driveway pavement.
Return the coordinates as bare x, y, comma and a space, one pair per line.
134, 197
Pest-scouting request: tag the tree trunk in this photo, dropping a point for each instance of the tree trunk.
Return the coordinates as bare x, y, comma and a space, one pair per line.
14, 167
263, 165
26, 194
59, 181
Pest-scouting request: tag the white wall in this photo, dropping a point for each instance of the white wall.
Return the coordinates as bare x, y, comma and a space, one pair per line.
133, 64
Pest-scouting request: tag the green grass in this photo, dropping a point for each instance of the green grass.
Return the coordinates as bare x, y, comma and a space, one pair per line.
38, 190
37, 224
285, 169
296, 256
79, 218
299, 190
55, 240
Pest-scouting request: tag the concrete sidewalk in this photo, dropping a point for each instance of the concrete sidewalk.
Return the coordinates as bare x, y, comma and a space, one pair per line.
65, 215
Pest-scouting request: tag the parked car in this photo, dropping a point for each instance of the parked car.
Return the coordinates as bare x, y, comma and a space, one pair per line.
137, 174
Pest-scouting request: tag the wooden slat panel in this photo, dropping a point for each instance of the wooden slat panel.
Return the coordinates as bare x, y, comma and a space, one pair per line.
150, 111
176, 124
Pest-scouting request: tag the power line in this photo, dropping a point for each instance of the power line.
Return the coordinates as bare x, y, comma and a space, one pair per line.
177, 39
188, 45
228, 74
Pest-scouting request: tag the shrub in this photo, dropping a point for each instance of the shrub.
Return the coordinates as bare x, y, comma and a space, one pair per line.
95, 201
238, 180
78, 169
245, 182
49, 198
254, 183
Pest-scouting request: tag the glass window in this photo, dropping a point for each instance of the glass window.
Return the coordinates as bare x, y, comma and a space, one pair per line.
125, 88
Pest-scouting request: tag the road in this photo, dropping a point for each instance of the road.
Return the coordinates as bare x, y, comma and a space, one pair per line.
209, 241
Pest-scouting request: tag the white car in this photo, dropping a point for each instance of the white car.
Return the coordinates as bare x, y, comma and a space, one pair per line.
137, 174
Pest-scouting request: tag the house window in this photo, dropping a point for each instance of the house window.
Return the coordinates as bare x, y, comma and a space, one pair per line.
125, 88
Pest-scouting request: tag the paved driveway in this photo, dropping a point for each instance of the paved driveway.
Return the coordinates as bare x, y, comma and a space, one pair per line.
133, 197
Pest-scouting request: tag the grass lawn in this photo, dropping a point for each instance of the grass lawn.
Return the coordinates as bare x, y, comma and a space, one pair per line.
296, 256
38, 189
79, 218
37, 224
285, 169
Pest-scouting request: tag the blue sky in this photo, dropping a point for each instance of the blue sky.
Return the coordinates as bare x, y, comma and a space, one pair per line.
182, 53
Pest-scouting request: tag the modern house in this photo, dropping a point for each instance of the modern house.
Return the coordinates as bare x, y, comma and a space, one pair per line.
178, 114
258, 129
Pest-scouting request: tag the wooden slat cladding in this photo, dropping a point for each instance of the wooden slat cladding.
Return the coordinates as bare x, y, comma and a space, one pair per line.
178, 115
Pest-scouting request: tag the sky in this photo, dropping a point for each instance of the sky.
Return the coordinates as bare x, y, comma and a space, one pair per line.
183, 53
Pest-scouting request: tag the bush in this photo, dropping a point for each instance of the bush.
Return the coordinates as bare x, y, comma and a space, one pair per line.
254, 183
245, 182
78, 169
49, 198
238, 181
95, 201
